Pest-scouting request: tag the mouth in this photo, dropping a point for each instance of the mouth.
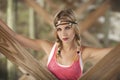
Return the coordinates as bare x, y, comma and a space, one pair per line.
65, 39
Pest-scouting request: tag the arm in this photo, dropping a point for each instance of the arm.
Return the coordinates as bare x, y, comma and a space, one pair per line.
26, 42
93, 55
98, 53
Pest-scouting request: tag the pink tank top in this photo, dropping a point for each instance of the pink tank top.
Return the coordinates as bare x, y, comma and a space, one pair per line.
72, 72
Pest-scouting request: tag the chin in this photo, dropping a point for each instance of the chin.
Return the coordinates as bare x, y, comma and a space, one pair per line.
66, 42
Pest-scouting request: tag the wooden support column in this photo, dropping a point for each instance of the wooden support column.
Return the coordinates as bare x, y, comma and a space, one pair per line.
11, 23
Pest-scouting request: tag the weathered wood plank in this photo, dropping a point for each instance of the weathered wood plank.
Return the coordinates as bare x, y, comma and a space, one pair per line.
21, 57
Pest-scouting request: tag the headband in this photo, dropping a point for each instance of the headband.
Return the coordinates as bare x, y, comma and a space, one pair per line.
60, 22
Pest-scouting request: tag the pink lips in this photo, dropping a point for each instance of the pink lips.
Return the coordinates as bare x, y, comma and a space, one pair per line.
65, 39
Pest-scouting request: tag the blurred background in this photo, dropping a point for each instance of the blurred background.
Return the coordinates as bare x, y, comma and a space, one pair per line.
99, 22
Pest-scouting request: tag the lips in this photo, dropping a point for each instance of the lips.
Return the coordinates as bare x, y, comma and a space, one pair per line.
65, 39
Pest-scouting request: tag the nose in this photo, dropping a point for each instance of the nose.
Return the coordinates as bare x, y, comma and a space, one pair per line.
64, 33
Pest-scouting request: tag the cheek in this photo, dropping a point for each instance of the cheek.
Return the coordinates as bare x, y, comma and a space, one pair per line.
72, 34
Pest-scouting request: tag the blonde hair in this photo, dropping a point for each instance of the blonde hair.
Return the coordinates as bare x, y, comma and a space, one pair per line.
67, 15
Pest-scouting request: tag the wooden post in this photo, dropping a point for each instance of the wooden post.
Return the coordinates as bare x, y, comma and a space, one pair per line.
10, 21
106, 69
31, 24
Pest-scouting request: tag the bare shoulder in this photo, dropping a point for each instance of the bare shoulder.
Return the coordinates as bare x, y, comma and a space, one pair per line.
91, 53
86, 52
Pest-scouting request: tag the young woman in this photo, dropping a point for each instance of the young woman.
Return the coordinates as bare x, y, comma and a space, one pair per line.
66, 56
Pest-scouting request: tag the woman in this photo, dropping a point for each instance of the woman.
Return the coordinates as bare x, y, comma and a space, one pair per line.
66, 55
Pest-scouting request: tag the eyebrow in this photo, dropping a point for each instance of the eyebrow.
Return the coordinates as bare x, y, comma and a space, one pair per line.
64, 27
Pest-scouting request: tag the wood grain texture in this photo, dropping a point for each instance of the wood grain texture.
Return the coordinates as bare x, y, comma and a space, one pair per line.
21, 57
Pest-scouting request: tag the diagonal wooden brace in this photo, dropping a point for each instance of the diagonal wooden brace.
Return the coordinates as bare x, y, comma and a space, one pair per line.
21, 57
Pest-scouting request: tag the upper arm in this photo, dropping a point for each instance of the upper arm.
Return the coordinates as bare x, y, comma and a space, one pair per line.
93, 55
98, 53
35, 44
27, 42
45, 45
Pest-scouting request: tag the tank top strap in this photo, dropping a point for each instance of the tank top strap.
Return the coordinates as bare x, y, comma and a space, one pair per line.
80, 57
51, 53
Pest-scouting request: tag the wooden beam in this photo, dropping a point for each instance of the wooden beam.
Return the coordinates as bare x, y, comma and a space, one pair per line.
84, 25
83, 7
89, 37
40, 11
52, 4
86, 34
94, 16
106, 69
21, 57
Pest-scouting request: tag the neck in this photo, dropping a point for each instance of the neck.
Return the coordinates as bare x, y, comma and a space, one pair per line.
68, 47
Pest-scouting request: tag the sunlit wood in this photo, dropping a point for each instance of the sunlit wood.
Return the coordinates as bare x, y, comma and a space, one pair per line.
21, 57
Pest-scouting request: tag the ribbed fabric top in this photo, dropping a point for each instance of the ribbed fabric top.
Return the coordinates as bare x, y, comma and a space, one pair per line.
62, 72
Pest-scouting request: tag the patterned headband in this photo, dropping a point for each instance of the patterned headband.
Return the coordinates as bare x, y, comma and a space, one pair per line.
60, 22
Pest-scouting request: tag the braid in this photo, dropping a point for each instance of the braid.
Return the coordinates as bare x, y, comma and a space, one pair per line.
59, 47
78, 42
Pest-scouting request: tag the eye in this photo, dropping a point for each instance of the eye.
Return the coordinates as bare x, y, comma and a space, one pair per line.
68, 27
58, 29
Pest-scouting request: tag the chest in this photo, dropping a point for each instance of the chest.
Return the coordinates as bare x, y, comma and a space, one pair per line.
64, 72
67, 59
66, 68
